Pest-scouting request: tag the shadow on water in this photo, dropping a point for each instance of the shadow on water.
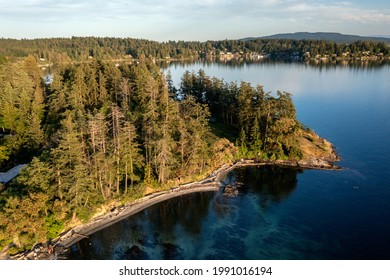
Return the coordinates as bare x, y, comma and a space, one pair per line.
268, 185
275, 182
206, 225
149, 234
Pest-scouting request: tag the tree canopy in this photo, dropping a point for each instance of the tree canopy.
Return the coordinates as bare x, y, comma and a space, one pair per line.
266, 124
60, 50
96, 133
100, 132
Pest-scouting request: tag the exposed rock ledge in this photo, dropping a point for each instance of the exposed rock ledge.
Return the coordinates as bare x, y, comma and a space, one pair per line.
211, 183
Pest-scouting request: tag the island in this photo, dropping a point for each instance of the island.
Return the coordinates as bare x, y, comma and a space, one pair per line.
104, 141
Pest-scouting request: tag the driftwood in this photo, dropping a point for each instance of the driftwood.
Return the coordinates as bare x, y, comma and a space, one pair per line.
78, 234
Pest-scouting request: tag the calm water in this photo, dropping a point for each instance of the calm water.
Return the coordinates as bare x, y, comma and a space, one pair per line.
282, 213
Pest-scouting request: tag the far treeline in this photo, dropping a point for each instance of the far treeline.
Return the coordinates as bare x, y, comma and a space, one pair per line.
100, 133
58, 50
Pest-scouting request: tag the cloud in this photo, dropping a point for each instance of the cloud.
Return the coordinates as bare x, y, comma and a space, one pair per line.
366, 17
338, 11
201, 17
205, 9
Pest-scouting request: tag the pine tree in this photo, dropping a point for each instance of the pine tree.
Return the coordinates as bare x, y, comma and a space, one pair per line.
98, 130
78, 90
245, 108
193, 130
8, 109
150, 127
131, 155
117, 120
92, 95
165, 144
21, 106
57, 104
72, 167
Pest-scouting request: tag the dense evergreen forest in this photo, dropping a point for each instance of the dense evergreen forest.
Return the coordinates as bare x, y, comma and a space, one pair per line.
100, 133
266, 125
59, 50
93, 134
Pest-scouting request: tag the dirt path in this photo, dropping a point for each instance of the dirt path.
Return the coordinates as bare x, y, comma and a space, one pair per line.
5, 177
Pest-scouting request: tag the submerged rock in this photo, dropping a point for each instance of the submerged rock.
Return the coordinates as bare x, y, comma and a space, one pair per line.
171, 251
230, 191
135, 253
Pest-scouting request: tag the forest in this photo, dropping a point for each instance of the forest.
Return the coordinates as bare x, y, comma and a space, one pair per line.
265, 125
101, 132
59, 50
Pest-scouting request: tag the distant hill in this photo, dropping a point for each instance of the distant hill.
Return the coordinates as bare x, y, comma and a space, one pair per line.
327, 36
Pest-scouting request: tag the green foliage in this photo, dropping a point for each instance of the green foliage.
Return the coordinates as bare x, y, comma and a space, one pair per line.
84, 214
108, 132
267, 124
223, 130
61, 51
3, 60
4, 154
21, 220
37, 177
21, 108
54, 226
100, 133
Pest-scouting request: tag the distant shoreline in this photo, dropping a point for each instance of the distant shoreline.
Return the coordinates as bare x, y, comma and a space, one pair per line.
213, 183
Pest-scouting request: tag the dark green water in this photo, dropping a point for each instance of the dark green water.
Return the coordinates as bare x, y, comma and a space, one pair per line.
282, 213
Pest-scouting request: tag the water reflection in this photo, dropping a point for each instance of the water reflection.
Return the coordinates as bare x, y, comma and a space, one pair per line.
242, 63
272, 181
200, 225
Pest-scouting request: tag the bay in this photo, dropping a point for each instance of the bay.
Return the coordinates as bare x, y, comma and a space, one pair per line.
281, 213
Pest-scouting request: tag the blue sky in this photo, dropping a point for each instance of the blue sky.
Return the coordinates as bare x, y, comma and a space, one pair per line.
198, 20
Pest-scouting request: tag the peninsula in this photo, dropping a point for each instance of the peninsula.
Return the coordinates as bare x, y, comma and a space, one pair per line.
104, 141
320, 154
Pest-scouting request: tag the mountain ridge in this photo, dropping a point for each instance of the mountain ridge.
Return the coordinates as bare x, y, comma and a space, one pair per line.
326, 36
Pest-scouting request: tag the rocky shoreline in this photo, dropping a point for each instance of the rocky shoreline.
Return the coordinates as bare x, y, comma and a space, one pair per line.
58, 247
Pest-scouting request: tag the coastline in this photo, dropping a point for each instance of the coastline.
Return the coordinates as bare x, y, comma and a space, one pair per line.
59, 246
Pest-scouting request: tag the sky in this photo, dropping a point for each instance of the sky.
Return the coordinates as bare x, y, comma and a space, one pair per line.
190, 20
